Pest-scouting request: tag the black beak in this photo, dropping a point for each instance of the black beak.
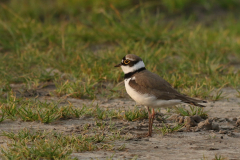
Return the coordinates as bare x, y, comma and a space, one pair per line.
118, 65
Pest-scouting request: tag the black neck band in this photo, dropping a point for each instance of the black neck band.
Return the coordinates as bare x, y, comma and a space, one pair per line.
128, 75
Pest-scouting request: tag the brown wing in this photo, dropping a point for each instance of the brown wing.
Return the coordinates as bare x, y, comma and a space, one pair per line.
157, 86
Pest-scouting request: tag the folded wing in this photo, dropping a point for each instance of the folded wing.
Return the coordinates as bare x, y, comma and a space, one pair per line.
157, 86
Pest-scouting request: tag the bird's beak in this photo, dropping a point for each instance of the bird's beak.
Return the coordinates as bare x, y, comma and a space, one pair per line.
118, 65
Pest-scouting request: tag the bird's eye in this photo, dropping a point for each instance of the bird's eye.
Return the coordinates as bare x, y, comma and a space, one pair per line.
126, 61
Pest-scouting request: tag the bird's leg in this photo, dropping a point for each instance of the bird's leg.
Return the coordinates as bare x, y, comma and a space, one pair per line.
149, 125
152, 118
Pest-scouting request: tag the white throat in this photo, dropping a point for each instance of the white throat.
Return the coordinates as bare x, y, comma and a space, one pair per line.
128, 69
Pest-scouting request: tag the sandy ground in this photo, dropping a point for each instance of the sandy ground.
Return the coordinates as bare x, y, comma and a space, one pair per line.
183, 145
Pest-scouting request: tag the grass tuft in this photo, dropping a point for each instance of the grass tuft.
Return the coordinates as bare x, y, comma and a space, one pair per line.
47, 112
169, 129
193, 111
50, 145
136, 114
36, 145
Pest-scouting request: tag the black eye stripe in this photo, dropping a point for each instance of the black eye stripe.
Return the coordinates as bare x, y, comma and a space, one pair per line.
126, 61
132, 63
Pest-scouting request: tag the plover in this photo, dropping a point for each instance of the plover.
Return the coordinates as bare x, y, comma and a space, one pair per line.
149, 89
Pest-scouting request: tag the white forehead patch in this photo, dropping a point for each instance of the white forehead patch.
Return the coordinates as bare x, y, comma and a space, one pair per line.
128, 69
130, 59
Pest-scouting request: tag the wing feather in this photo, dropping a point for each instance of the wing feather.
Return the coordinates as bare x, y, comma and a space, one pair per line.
155, 85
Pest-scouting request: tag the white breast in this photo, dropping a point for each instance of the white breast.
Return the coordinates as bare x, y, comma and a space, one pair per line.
147, 99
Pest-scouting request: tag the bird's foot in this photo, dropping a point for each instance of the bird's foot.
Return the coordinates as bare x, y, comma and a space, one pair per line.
149, 135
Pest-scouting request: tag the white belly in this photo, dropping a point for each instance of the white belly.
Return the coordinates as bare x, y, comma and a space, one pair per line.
148, 100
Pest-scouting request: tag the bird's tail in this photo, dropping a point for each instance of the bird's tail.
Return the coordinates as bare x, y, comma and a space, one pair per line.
192, 101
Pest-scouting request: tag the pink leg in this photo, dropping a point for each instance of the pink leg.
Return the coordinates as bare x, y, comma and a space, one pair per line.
150, 121
152, 118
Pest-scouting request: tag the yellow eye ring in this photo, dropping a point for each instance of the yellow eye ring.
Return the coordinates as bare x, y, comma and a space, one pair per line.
126, 61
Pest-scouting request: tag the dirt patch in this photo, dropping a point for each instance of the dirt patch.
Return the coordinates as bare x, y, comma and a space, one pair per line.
200, 138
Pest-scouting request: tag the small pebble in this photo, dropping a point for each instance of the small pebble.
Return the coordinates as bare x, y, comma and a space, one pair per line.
197, 130
207, 124
227, 119
238, 122
221, 119
230, 134
215, 126
181, 119
197, 118
189, 122
222, 132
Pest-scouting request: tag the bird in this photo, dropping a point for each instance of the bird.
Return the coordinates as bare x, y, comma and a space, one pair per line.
149, 89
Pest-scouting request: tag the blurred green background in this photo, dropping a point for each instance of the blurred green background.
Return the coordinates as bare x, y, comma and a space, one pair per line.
195, 45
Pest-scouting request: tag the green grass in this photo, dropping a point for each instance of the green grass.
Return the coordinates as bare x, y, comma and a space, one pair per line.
47, 112
165, 129
219, 157
136, 114
83, 40
37, 144
216, 157
74, 44
193, 110
238, 93
50, 145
